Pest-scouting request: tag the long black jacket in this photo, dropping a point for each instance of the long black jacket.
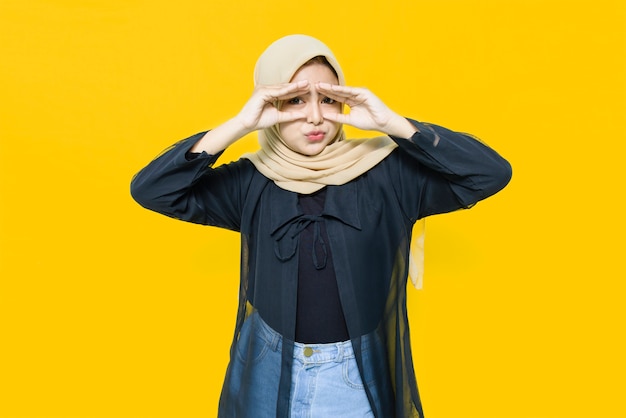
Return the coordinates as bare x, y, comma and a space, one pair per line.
369, 222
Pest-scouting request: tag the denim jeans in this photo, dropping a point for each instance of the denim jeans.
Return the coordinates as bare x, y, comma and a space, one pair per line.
326, 382
325, 377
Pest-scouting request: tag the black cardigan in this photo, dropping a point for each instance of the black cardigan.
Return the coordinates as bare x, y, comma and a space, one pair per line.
368, 221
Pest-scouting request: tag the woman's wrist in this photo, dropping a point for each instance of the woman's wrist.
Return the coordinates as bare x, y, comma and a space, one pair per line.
218, 139
400, 127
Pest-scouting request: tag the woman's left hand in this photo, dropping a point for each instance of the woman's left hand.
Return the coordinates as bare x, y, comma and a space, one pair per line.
367, 111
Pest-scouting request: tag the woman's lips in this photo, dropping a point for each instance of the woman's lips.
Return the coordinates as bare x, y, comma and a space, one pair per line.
315, 135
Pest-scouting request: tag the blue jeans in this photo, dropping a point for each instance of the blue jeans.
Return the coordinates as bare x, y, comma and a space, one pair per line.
325, 377
326, 382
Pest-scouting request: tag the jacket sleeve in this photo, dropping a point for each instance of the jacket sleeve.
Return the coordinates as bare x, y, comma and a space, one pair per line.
190, 189
441, 171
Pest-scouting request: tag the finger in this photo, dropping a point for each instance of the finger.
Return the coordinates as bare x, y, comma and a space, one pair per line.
291, 94
337, 117
297, 86
290, 116
272, 93
348, 96
337, 90
336, 97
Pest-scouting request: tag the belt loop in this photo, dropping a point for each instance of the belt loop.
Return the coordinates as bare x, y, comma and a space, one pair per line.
272, 337
276, 338
340, 353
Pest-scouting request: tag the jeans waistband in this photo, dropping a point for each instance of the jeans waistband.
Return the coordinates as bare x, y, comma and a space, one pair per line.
308, 353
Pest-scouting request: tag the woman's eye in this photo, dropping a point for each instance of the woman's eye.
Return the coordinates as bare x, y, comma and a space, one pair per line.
295, 100
328, 100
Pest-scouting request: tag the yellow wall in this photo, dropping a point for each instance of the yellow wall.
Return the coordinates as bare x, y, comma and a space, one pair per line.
108, 310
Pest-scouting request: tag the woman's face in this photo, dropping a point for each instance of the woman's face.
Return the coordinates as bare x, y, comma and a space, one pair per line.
311, 135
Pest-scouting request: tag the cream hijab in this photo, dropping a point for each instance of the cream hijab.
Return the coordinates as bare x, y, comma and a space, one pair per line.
340, 162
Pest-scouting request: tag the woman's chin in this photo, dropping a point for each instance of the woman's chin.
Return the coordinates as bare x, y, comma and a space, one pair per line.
311, 150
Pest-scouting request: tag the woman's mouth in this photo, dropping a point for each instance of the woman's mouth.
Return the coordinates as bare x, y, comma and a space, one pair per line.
315, 135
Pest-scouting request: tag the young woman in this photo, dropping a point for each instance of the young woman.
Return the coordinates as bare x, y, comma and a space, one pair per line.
326, 228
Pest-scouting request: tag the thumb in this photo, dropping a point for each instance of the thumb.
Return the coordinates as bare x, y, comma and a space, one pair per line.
337, 117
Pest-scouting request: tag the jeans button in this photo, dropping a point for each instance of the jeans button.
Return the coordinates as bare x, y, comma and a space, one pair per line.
308, 351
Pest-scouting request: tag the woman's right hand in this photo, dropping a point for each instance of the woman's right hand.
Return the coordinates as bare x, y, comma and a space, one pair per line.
260, 111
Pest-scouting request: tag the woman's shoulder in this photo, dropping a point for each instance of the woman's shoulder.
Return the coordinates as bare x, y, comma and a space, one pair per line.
246, 172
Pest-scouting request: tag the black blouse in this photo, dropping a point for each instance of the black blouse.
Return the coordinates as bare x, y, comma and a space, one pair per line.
319, 316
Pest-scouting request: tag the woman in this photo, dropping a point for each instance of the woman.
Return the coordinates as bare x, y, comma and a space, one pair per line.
326, 228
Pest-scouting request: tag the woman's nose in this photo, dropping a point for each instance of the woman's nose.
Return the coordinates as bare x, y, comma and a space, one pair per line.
314, 113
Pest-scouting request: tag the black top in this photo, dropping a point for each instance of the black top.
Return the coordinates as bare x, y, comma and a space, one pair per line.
319, 316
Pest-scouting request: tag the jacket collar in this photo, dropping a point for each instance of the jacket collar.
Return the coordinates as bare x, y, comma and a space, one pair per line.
341, 204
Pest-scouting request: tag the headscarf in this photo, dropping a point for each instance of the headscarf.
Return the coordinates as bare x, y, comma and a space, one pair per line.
341, 161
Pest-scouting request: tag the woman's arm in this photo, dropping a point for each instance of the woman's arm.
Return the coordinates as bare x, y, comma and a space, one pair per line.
181, 182
367, 111
186, 187
439, 170
442, 170
258, 113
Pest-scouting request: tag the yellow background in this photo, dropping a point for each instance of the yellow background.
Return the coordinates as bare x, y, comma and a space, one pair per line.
108, 310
